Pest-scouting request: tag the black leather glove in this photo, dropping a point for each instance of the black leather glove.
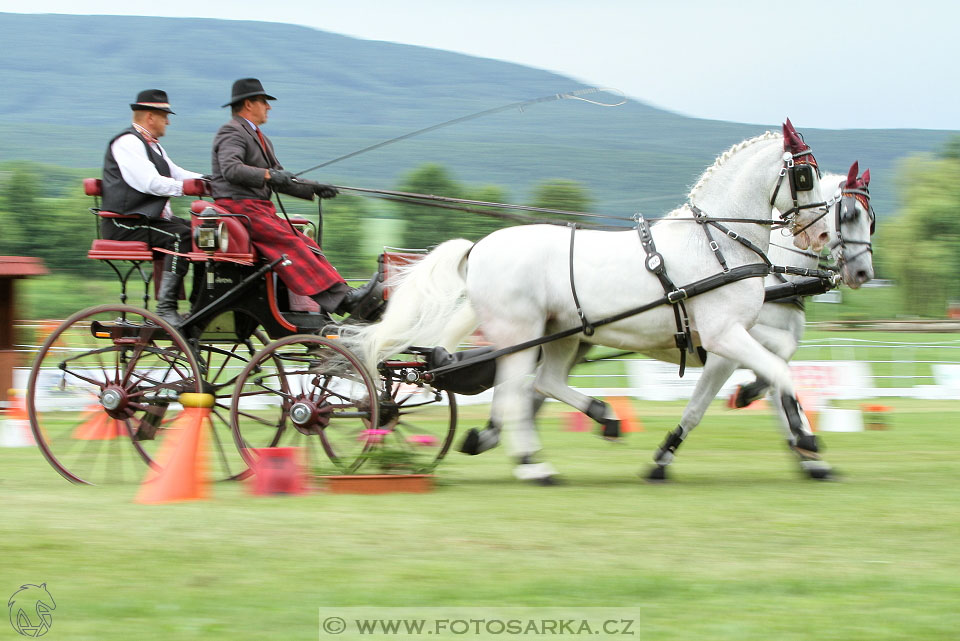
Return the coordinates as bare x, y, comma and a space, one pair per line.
325, 191
280, 178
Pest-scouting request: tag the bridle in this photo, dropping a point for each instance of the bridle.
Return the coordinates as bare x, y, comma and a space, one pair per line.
846, 210
798, 168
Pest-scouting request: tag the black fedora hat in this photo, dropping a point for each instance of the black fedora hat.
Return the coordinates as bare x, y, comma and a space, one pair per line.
155, 99
247, 88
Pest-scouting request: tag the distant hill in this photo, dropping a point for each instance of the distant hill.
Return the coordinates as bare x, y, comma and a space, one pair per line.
67, 81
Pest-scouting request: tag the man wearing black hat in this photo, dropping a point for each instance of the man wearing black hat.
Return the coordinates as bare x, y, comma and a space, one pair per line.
139, 178
246, 172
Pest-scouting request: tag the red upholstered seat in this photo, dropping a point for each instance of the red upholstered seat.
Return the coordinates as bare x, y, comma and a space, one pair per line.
119, 250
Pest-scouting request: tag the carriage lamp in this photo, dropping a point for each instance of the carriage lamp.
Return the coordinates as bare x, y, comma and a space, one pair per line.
211, 234
306, 229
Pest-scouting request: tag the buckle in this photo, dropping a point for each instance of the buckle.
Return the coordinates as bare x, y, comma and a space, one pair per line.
714, 246
677, 295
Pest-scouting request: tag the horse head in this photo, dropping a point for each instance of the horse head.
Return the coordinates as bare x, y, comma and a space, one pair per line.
854, 223
800, 204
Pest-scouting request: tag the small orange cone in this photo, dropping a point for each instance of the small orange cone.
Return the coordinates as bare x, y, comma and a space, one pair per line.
15, 430
576, 422
98, 426
182, 457
623, 408
278, 470
810, 402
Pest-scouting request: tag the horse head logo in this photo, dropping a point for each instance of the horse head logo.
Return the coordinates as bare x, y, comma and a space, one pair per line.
30, 608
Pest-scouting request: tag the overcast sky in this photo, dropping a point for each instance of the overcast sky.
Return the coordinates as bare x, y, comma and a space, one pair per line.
831, 64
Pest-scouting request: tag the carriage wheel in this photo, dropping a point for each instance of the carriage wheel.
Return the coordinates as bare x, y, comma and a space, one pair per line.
222, 364
419, 423
101, 389
304, 391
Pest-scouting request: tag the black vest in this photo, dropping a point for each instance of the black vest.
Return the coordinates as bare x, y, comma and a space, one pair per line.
121, 198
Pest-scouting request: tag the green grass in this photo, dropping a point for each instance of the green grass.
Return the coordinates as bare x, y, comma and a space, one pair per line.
738, 547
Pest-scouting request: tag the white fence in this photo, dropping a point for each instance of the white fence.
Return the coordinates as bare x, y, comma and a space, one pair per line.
835, 367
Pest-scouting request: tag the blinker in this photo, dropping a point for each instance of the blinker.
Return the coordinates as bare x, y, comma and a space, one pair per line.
803, 177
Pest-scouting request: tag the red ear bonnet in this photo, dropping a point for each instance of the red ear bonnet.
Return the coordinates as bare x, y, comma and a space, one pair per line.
852, 175
866, 178
791, 139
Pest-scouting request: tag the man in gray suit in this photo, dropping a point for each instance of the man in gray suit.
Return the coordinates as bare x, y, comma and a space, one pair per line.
246, 172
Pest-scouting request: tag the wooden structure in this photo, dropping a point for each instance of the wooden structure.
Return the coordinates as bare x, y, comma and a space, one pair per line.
12, 268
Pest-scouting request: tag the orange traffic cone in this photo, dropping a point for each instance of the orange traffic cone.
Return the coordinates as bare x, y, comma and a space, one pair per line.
15, 430
623, 408
98, 426
182, 457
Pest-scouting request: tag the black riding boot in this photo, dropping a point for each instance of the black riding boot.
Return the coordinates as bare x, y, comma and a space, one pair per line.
364, 303
167, 298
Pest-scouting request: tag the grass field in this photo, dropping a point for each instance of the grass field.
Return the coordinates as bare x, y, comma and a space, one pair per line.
737, 547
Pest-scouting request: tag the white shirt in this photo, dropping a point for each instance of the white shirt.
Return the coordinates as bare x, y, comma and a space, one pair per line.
139, 172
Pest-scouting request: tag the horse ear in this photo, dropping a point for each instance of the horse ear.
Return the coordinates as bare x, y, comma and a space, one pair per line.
866, 178
791, 139
852, 174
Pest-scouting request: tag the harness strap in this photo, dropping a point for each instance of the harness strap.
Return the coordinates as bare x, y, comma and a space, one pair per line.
656, 266
756, 270
588, 329
706, 222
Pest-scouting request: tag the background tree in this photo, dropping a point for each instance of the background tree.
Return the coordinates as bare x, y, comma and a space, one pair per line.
428, 226
476, 226
562, 193
921, 246
344, 238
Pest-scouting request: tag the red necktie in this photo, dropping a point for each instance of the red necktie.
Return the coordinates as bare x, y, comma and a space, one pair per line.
263, 143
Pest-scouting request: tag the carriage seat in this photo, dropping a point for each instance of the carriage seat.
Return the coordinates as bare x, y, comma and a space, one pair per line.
102, 249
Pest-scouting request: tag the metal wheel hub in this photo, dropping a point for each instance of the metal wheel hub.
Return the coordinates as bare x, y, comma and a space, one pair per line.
309, 417
114, 401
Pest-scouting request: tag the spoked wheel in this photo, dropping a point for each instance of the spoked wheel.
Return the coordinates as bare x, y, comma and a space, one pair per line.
416, 428
101, 392
222, 363
304, 391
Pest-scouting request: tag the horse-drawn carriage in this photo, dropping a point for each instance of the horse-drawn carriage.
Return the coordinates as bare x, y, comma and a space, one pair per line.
103, 389
282, 375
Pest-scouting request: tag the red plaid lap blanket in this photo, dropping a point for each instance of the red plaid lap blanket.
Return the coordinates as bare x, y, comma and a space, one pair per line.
310, 272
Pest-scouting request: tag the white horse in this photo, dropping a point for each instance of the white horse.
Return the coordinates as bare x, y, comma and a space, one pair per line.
780, 325
779, 328
522, 283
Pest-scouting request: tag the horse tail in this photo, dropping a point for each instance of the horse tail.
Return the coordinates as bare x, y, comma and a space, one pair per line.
427, 307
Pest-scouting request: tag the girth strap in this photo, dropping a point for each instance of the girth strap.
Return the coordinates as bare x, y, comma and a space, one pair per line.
588, 329
656, 266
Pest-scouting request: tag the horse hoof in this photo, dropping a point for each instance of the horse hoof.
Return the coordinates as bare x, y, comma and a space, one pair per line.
471, 442
819, 471
548, 481
479, 441
657, 474
539, 473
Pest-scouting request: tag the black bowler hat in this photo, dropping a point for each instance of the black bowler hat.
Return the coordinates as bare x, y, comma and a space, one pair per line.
155, 99
247, 88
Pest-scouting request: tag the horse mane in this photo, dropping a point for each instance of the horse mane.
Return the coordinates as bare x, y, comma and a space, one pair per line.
722, 158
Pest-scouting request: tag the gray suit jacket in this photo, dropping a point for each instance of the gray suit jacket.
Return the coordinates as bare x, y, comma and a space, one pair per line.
239, 161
